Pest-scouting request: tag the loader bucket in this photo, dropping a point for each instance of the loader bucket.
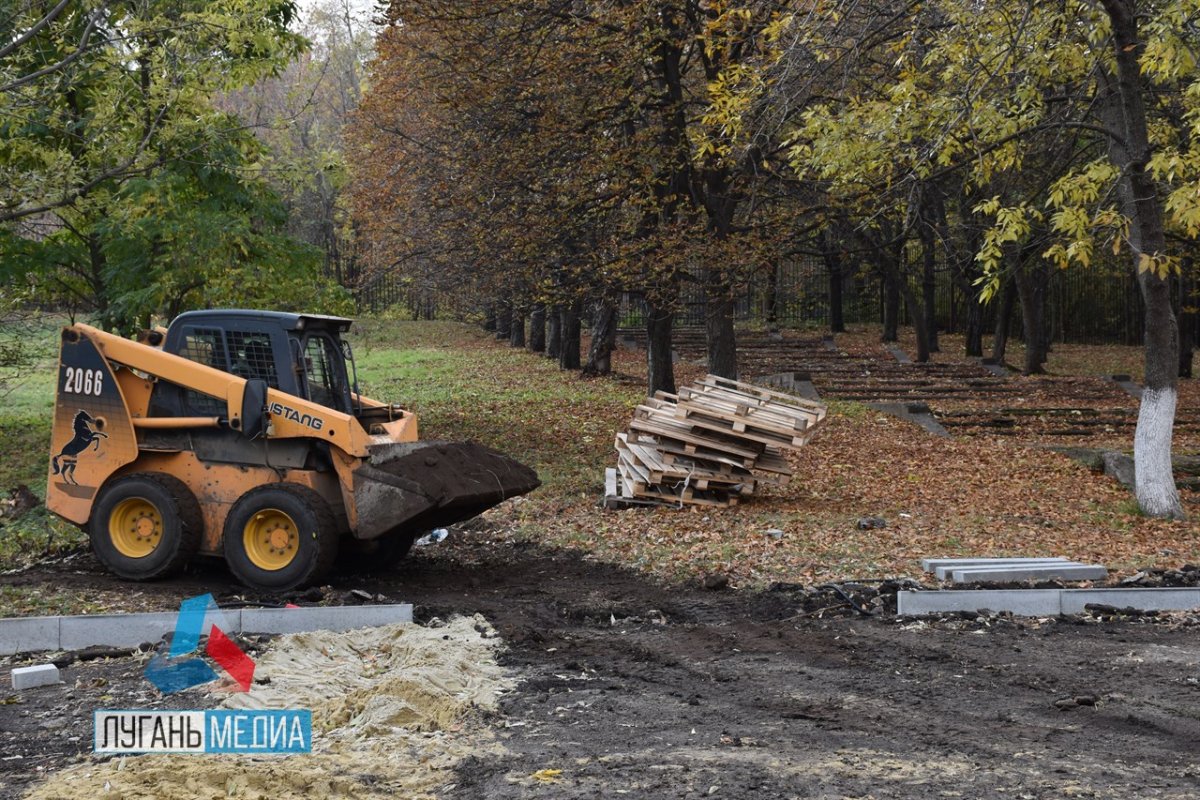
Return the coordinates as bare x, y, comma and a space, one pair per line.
413, 487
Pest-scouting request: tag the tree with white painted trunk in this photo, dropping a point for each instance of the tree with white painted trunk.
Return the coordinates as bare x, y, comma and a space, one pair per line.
1124, 110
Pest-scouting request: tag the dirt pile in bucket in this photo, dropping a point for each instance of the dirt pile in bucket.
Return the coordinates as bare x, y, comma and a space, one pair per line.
394, 710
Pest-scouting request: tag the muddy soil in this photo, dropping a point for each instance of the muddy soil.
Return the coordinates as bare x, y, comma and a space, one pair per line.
633, 689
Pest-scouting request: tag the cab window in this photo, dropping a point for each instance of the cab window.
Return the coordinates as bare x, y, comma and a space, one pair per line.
323, 374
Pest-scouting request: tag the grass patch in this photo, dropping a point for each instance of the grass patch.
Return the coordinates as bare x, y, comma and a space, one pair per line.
464, 385
22, 601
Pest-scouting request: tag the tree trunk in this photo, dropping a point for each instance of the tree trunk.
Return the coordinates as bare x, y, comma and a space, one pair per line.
891, 308
537, 329
568, 354
503, 320
890, 261
773, 296
832, 256
1130, 150
554, 332
929, 286
489, 317
660, 370
718, 327
516, 333
974, 326
604, 339
927, 235
918, 317
1008, 296
1032, 295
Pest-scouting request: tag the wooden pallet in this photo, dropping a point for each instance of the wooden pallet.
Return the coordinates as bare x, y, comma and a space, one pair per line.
678, 494
660, 422
731, 428
752, 408
754, 390
712, 444
768, 468
613, 497
646, 460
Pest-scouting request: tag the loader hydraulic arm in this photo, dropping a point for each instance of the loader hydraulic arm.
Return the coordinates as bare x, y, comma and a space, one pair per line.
289, 416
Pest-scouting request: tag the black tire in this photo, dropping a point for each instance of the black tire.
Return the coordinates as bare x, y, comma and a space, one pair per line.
375, 555
178, 530
315, 543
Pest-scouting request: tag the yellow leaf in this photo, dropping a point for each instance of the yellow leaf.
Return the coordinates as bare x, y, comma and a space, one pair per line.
546, 775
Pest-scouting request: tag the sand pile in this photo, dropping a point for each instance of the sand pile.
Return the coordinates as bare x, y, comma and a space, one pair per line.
393, 713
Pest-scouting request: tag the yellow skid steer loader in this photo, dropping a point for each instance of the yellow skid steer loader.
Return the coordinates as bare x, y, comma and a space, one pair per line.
242, 434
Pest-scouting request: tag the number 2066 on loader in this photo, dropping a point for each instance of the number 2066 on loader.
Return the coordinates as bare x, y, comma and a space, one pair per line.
242, 434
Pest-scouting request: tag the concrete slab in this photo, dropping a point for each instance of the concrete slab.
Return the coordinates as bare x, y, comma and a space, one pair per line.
1127, 384
796, 382
1075, 601
114, 630
913, 412
1044, 602
1013, 572
1022, 602
28, 634
931, 564
808, 391
943, 572
999, 370
1120, 467
329, 618
32, 677
34, 634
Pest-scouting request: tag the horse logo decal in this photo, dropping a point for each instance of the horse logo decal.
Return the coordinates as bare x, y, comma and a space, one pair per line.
87, 433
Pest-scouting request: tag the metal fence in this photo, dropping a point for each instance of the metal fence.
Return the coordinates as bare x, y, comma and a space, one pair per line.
1100, 304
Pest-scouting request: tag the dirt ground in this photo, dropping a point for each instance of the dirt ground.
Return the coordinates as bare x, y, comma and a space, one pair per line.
630, 688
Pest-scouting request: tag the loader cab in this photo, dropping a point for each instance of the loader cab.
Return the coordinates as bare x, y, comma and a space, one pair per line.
300, 354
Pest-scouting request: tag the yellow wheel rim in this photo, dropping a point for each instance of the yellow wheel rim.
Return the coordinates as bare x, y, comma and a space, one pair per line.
135, 527
271, 539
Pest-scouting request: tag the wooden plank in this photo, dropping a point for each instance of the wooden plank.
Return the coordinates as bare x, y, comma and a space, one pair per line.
650, 460
813, 416
690, 497
762, 437
728, 437
615, 499
698, 403
739, 405
754, 390
671, 454
784, 436
685, 486
758, 395
773, 462
634, 469
777, 413
655, 421
680, 492
788, 428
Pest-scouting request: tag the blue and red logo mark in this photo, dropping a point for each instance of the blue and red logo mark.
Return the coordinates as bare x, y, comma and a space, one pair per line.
170, 674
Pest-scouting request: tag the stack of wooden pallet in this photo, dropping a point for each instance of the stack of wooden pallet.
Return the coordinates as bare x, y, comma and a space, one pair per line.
711, 444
